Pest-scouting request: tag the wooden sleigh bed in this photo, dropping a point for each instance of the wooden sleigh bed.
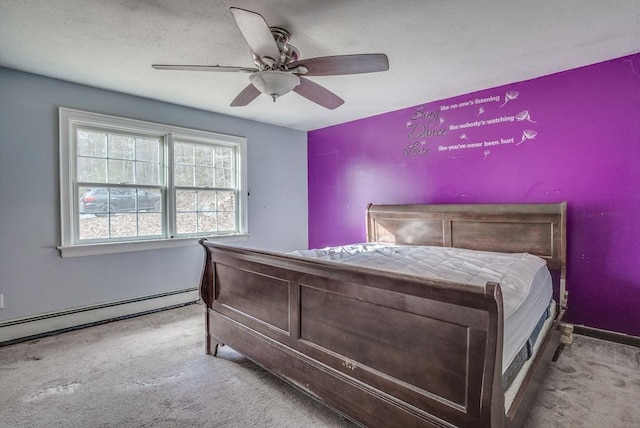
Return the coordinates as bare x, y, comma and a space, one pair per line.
387, 349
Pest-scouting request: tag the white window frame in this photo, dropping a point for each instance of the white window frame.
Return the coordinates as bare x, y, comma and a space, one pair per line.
69, 119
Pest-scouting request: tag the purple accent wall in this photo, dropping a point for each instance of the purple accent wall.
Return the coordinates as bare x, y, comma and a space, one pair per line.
572, 136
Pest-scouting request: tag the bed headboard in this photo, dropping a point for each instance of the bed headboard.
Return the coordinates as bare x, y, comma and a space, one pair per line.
538, 229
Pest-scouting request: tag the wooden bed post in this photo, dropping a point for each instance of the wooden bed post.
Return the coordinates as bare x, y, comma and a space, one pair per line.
567, 329
564, 294
206, 291
493, 393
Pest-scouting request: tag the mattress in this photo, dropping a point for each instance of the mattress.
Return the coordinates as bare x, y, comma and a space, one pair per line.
513, 378
524, 279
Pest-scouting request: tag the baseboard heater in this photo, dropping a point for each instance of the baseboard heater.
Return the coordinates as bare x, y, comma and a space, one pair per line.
28, 328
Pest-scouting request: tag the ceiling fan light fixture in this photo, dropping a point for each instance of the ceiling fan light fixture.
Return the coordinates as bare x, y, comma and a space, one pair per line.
274, 83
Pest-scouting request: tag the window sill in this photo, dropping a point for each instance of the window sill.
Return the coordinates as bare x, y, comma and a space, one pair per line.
132, 246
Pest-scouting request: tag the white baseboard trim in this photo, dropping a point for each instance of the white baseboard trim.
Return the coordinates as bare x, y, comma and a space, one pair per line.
30, 327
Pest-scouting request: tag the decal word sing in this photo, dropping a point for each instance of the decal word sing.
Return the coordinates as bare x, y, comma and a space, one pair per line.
424, 124
426, 128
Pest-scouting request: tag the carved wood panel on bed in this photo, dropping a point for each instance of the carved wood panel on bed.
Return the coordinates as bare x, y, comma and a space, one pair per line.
383, 348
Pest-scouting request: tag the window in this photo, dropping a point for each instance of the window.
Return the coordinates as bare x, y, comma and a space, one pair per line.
128, 185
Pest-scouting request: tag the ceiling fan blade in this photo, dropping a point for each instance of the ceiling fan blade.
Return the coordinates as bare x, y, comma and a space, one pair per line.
247, 95
257, 34
318, 94
343, 64
219, 68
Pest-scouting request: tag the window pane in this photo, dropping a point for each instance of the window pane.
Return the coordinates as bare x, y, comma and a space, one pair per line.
122, 200
147, 150
149, 224
206, 200
91, 143
204, 176
94, 200
226, 201
185, 200
226, 222
207, 222
123, 225
92, 170
121, 171
149, 200
121, 147
148, 173
183, 175
224, 178
224, 157
204, 155
186, 223
92, 227
183, 153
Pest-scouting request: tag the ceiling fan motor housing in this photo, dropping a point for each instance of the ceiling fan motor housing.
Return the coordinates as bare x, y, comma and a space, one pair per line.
288, 53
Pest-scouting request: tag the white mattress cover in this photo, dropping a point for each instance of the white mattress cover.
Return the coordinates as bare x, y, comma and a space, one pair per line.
524, 278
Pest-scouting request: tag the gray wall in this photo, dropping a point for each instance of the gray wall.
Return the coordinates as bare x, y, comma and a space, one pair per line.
34, 279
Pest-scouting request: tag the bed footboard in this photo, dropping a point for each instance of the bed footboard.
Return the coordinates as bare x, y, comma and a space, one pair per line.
382, 349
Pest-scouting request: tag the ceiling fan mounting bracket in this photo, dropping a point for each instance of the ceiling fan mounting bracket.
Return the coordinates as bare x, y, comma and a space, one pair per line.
280, 35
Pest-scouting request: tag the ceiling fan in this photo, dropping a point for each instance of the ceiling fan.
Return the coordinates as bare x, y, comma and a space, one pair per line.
278, 69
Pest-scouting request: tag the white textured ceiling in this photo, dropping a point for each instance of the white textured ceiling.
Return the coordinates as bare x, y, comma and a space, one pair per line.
436, 48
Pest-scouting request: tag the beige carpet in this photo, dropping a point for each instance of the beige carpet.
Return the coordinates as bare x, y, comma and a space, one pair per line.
152, 371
